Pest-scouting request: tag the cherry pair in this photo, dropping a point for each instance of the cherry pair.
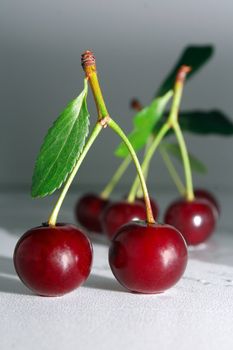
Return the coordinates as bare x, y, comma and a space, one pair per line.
144, 258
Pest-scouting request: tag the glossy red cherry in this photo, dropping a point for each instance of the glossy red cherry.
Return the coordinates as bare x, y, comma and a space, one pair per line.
154, 206
88, 211
204, 194
121, 213
53, 261
148, 258
194, 219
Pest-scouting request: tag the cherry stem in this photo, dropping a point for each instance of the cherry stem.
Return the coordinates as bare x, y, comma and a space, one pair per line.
95, 132
172, 170
136, 105
139, 193
186, 162
113, 125
145, 164
116, 178
178, 90
173, 121
89, 67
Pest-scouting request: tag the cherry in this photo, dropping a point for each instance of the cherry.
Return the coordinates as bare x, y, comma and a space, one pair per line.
154, 206
88, 211
194, 219
121, 213
204, 194
148, 258
53, 261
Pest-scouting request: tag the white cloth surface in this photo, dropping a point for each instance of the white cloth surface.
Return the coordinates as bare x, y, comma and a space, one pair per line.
197, 313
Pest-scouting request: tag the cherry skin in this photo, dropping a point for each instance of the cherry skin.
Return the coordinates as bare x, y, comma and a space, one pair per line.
88, 211
121, 213
52, 261
195, 219
204, 194
148, 258
154, 206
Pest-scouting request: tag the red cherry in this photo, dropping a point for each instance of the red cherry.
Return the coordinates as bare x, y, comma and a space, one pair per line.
53, 261
201, 193
154, 206
88, 211
194, 219
121, 213
148, 258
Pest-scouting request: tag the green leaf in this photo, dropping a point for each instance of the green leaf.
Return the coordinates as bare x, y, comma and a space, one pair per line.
193, 56
61, 147
210, 122
137, 138
144, 122
202, 122
150, 115
196, 164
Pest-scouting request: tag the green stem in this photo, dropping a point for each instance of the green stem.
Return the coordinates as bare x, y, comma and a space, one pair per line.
116, 178
53, 217
186, 162
146, 171
139, 192
100, 104
173, 115
119, 131
172, 171
178, 90
158, 138
173, 120
89, 66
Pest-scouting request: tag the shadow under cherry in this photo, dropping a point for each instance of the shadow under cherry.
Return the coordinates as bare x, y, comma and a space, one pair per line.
103, 283
9, 282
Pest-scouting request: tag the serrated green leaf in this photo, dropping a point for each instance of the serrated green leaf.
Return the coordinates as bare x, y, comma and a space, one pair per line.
144, 122
194, 56
196, 164
61, 147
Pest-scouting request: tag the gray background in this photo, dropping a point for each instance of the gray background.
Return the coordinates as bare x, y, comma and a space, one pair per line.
136, 43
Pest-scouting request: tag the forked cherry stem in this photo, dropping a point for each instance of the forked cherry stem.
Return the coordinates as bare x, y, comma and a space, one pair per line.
137, 106
89, 66
172, 122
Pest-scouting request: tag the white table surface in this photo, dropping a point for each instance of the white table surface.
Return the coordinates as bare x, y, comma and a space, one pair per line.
197, 313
